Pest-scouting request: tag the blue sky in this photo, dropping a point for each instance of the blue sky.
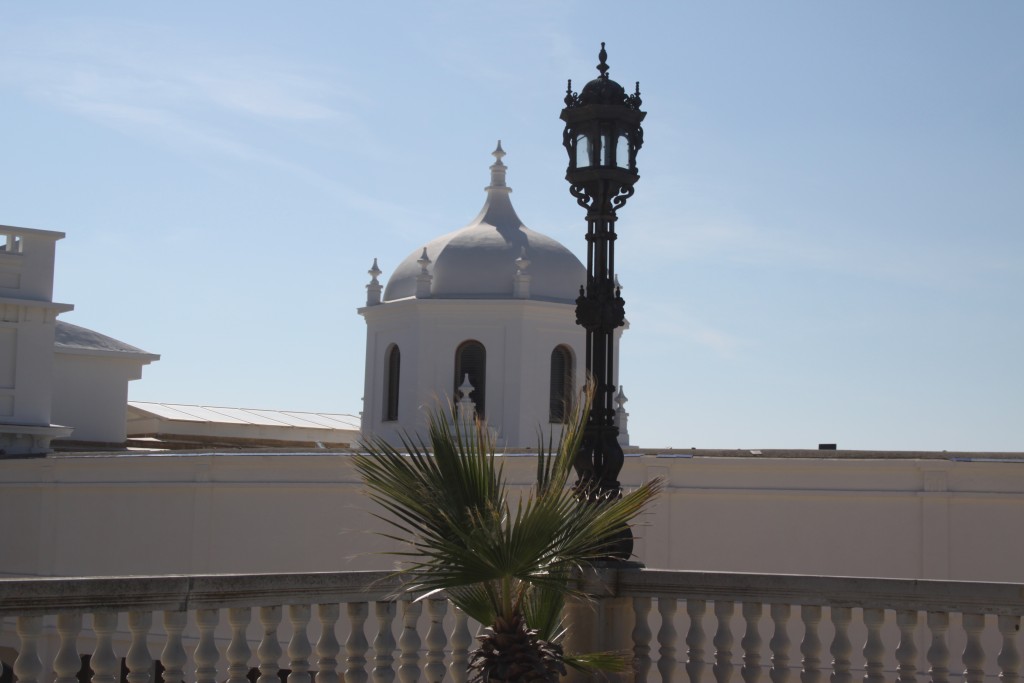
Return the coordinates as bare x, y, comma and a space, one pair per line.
826, 244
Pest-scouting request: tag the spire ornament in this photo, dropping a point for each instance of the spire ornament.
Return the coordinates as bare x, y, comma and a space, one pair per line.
374, 288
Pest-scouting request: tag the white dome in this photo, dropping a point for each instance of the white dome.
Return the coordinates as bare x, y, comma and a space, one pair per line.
479, 261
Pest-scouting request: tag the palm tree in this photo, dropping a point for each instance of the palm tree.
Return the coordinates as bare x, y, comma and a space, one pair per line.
506, 563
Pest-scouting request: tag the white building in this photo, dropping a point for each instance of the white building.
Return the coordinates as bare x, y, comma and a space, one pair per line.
487, 310
57, 380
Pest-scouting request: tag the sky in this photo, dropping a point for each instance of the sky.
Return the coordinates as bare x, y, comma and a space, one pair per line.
826, 244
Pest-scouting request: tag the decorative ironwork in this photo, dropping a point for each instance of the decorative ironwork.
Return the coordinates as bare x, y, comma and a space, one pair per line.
602, 136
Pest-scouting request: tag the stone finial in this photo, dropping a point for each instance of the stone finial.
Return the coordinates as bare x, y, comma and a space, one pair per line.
622, 417
424, 279
521, 281
374, 288
466, 407
498, 169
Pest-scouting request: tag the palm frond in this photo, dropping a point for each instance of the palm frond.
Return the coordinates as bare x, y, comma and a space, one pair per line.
499, 562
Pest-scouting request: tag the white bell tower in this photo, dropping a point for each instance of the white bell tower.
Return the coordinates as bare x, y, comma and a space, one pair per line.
490, 307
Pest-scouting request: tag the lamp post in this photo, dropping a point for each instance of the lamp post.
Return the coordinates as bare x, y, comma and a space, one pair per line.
602, 137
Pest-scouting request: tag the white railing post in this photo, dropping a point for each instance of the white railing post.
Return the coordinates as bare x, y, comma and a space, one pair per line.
384, 643
356, 645
409, 642
461, 640
695, 639
974, 655
906, 651
1009, 656
27, 665
641, 639
435, 641
206, 654
269, 650
174, 656
104, 662
723, 641
139, 660
239, 653
841, 647
667, 638
327, 647
752, 642
780, 642
874, 648
67, 662
938, 651
810, 646
299, 647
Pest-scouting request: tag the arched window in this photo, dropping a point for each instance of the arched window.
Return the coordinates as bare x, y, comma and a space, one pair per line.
471, 359
563, 383
392, 373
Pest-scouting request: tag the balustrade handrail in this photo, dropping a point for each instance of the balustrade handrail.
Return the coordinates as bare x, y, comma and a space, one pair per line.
34, 596
825, 591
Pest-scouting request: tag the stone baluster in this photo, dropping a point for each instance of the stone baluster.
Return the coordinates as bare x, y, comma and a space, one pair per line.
461, 639
779, 644
173, 656
327, 647
695, 639
974, 655
810, 646
299, 647
206, 654
384, 643
269, 650
667, 638
27, 665
409, 642
841, 648
938, 651
1009, 657
67, 662
751, 642
356, 644
239, 653
436, 641
104, 663
874, 648
139, 660
641, 639
723, 641
906, 651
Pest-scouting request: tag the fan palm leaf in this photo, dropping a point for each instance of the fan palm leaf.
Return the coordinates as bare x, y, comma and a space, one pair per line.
506, 563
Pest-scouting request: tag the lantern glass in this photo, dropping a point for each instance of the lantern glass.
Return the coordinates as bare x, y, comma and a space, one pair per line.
584, 151
622, 152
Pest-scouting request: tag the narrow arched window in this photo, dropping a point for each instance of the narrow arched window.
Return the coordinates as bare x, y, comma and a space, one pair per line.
392, 372
471, 359
562, 383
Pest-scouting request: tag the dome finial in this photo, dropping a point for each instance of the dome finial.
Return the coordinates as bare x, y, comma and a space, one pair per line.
603, 66
497, 169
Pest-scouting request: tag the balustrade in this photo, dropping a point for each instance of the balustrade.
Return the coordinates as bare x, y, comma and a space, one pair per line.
760, 628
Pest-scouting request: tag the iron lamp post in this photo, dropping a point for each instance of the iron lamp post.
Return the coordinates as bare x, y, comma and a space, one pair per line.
602, 137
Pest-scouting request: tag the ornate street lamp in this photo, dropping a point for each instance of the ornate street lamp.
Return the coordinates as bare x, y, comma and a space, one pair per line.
602, 136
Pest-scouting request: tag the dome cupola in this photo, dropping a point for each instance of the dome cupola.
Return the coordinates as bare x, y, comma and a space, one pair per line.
494, 257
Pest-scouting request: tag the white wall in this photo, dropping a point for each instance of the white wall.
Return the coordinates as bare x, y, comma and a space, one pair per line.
518, 336
90, 393
133, 514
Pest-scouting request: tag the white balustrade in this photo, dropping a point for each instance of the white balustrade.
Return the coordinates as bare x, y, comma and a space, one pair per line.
327, 647
907, 628
461, 640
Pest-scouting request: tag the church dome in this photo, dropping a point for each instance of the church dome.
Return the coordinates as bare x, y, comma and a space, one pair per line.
485, 259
